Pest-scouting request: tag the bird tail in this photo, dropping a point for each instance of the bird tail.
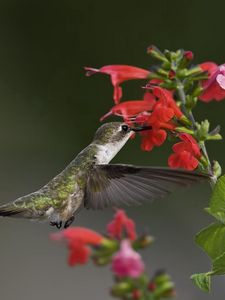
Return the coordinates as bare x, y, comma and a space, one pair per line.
10, 210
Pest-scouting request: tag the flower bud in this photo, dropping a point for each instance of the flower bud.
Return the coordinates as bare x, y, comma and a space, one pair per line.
152, 286
188, 55
121, 289
171, 74
142, 242
136, 294
217, 170
202, 130
156, 53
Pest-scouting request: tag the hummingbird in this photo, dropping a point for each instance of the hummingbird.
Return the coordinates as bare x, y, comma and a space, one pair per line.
89, 181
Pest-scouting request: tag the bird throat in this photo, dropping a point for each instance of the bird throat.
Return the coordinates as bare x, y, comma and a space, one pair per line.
106, 152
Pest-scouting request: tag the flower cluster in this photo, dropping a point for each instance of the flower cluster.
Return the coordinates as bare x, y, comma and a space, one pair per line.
118, 247
214, 86
171, 92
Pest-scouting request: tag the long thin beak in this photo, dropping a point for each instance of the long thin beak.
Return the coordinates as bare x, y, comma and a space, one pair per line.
141, 128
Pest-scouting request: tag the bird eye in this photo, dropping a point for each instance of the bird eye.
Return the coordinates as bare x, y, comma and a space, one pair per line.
125, 128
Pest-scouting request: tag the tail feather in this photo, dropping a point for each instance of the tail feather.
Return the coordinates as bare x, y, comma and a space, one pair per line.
10, 211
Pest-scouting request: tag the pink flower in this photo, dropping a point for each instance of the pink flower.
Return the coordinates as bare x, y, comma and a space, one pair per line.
121, 224
186, 153
214, 87
119, 74
78, 239
127, 262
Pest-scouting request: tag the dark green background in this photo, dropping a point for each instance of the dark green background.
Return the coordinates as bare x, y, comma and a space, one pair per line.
50, 110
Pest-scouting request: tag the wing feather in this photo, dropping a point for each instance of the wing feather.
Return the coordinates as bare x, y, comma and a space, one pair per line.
130, 185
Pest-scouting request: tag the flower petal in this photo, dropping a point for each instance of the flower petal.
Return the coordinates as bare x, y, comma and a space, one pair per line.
127, 262
121, 224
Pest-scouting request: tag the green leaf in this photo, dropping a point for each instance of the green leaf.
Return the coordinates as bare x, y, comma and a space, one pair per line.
219, 265
203, 281
217, 202
212, 240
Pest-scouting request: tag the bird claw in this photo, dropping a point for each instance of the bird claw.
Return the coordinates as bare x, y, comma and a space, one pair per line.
69, 222
57, 224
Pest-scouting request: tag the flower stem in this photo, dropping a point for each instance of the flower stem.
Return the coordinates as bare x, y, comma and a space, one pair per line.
189, 114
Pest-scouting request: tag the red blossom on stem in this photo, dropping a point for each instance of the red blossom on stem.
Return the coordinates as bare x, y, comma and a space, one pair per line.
121, 224
129, 109
156, 113
78, 239
119, 74
186, 153
188, 55
152, 138
164, 110
214, 86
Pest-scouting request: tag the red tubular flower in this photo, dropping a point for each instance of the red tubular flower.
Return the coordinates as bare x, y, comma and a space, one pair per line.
129, 109
151, 138
166, 98
214, 87
119, 74
164, 110
78, 239
121, 224
186, 153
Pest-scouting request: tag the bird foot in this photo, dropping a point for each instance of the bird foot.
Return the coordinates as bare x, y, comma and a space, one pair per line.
69, 222
57, 224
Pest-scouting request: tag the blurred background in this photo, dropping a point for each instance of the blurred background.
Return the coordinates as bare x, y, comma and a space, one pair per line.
49, 111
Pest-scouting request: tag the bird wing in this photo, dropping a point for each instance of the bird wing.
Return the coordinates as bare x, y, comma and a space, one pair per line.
117, 185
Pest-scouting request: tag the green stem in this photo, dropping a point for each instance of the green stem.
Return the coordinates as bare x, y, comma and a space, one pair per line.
189, 114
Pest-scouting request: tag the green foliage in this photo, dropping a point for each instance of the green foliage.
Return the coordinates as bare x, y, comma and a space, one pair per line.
217, 202
203, 281
212, 238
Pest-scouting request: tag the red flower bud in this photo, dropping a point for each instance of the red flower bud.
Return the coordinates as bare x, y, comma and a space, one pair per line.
188, 55
171, 74
136, 294
151, 286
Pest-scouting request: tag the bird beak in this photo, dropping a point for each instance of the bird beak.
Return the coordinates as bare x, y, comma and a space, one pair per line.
141, 128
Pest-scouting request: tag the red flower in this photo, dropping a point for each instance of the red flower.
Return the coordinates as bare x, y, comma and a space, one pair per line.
121, 224
186, 153
166, 98
129, 109
119, 74
151, 138
158, 114
78, 239
214, 87
164, 110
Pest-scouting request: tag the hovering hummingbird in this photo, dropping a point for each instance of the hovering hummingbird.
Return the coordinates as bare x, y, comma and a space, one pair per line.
90, 182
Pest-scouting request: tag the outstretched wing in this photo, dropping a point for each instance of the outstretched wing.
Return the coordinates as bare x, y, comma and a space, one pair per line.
117, 185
